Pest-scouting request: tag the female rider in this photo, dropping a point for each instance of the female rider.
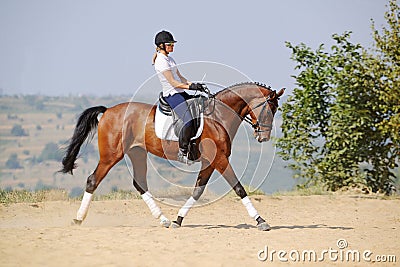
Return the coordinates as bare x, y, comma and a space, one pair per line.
174, 86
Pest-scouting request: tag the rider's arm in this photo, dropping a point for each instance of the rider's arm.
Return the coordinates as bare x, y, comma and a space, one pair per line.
183, 84
183, 79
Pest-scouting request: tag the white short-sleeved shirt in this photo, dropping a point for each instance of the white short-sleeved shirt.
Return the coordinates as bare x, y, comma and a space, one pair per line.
162, 64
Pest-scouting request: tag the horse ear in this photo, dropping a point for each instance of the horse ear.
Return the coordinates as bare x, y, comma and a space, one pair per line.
280, 93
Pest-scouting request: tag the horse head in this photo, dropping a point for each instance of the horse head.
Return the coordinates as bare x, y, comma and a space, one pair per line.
262, 114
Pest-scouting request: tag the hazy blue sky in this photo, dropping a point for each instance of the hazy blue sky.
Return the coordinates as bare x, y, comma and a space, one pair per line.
105, 47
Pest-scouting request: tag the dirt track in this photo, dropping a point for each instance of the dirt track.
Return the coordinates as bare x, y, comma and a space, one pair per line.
123, 233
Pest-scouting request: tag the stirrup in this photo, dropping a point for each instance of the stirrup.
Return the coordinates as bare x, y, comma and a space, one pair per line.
183, 157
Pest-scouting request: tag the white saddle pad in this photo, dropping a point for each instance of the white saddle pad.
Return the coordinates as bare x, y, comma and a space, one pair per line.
165, 130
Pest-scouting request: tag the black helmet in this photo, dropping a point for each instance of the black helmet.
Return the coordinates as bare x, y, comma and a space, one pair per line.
164, 37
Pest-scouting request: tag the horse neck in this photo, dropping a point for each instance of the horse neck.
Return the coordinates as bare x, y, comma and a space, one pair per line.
234, 105
238, 97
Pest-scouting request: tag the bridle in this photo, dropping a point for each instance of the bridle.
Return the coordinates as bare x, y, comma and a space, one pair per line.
257, 125
248, 118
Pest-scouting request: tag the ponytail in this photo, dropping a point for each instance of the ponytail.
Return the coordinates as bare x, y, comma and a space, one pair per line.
153, 60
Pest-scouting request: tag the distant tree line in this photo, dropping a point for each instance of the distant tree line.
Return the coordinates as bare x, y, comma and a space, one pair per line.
51, 151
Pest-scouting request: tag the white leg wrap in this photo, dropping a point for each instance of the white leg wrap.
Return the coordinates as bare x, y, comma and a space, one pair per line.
155, 210
250, 208
163, 218
82, 212
185, 209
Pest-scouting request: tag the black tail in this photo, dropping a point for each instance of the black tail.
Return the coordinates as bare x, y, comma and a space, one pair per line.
86, 123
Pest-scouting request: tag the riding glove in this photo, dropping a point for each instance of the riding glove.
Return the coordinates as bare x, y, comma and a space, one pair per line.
197, 87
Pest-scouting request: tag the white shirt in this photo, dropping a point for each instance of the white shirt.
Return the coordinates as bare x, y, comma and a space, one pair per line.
162, 64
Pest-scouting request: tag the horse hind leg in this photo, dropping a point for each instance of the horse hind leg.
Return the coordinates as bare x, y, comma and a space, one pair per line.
138, 157
92, 183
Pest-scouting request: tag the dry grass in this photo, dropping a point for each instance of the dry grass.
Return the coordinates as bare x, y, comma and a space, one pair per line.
249, 190
24, 196
306, 191
119, 195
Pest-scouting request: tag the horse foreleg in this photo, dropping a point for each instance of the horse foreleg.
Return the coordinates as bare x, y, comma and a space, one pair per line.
155, 209
225, 168
201, 182
138, 157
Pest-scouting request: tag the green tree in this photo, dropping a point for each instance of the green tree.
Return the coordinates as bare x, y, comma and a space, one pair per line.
76, 192
51, 151
385, 66
40, 185
17, 130
13, 162
344, 112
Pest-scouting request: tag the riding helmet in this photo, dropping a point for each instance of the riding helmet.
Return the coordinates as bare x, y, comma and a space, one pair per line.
164, 37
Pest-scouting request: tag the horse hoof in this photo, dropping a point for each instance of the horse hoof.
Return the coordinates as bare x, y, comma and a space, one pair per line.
165, 223
76, 222
175, 225
263, 226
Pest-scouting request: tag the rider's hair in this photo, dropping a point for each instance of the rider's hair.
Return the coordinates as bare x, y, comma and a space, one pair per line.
153, 60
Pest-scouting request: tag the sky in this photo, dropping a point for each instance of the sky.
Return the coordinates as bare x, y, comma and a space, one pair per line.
99, 47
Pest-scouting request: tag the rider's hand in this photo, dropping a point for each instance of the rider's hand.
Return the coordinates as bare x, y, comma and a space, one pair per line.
197, 87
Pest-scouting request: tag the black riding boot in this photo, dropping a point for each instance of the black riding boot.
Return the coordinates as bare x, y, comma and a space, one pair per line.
184, 139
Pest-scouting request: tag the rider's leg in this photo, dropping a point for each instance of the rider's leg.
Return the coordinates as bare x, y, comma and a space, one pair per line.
179, 105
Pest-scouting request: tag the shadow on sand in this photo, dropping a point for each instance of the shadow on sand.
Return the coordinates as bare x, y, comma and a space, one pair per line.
277, 227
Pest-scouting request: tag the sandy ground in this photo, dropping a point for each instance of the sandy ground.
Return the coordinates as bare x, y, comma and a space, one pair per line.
123, 233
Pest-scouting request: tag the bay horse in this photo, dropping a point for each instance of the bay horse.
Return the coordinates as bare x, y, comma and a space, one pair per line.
128, 128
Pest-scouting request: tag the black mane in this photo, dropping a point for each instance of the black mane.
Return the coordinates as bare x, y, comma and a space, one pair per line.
229, 88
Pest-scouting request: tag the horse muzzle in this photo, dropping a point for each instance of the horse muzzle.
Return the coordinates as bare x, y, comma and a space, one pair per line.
262, 139
262, 136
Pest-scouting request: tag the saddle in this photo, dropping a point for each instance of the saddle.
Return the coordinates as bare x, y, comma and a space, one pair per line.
196, 108
168, 125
